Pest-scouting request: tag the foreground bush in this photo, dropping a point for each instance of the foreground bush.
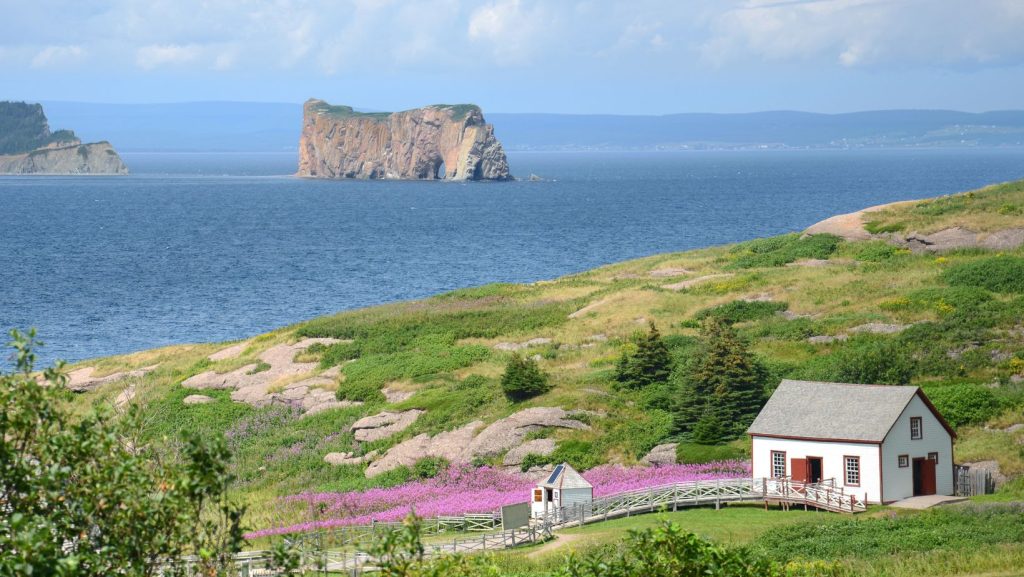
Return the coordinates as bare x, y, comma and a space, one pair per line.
85, 497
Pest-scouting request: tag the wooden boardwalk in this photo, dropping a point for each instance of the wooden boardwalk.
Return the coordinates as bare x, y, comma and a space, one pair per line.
321, 550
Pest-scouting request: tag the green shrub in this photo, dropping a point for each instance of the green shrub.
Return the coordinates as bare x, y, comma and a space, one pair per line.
699, 454
362, 392
964, 404
868, 359
582, 455
429, 467
741, 311
533, 460
784, 249
798, 329
877, 251
523, 379
1002, 274
337, 353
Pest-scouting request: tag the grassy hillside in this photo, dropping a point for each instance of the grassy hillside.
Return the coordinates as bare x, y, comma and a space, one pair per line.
954, 324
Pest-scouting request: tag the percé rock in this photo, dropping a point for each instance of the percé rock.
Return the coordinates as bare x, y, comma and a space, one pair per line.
450, 142
28, 147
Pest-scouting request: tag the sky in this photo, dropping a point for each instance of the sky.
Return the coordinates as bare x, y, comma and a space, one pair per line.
564, 56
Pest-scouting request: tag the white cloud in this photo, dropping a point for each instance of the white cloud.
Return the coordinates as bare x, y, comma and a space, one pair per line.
157, 55
862, 33
511, 31
57, 56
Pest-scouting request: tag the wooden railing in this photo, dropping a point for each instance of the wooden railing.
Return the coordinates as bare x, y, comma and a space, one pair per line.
338, 549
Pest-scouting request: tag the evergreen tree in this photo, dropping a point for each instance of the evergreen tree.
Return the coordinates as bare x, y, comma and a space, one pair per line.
722, 387
651, 363
523, 379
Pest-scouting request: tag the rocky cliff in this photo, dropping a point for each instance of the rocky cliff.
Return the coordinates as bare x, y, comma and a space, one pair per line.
95, 158
435, 142
28, 147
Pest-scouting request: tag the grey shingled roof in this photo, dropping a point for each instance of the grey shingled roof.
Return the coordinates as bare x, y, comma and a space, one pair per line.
565, 477
814, 410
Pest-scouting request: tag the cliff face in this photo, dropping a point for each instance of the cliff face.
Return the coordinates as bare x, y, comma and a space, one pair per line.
28, 147
96, 158
434, 142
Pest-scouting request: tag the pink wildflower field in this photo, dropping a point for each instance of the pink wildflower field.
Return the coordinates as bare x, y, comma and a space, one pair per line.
460, 490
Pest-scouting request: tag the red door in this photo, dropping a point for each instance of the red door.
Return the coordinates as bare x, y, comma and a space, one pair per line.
928, 477
798, 469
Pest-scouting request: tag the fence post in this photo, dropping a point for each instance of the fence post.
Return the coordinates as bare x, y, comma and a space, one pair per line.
718, 494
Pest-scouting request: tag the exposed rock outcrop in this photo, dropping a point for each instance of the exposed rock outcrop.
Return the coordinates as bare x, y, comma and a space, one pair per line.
542, 447
464, 444
383, 425
82, 381
851, 227
661, 455
279, 378
434, 142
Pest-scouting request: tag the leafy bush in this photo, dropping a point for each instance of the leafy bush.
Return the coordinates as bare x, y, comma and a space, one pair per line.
429, 467
784, 249
337, 353
582, 455
699, 454
360, 391
523, 379
741, 311
1002, 274
533, 460
877, 251
867, 359
667, 551
78, 501
964, 404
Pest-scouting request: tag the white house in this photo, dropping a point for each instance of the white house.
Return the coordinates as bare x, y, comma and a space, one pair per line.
885, 443
563, 489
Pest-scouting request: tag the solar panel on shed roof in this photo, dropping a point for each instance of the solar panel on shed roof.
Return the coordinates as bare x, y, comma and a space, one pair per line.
555, 474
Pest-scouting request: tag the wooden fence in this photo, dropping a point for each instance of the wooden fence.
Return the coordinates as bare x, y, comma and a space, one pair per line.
968, 481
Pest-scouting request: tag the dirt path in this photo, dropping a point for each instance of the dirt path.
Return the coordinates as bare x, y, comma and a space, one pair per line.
559, 542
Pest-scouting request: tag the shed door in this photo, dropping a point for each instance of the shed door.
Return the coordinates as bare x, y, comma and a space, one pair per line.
798, 469
928, 477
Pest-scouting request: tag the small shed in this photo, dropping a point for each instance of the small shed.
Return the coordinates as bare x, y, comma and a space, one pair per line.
562, 490
884, 443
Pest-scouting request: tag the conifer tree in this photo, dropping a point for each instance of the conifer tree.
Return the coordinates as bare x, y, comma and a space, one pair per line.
523, 379
651, 363
722, 387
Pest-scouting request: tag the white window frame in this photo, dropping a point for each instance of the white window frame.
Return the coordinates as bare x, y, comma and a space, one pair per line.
776, 466
847, 470
919, 433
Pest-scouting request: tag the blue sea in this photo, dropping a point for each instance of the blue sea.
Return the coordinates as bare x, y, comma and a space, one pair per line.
210, 247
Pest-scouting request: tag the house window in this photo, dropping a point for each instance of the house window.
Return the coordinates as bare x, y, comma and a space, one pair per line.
778, 463
904, 460
934, 457
916, 431
538, 495
852, 471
